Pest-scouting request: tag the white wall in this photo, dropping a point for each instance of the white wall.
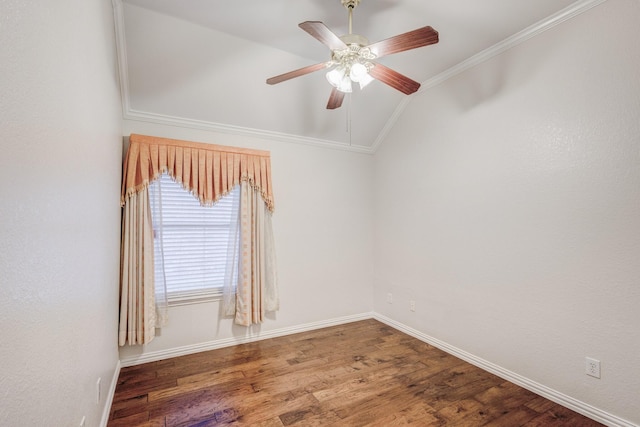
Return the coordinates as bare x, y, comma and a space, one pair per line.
59, 211
508, 208
323, 230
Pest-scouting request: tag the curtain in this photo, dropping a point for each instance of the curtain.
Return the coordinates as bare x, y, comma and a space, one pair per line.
139, 313
209, 172
257, 289
160, 283
233, 262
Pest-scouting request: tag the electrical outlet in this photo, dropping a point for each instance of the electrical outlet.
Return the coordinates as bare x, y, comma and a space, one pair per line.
412, 305
98, 393
83, 422
389, 298
592, 367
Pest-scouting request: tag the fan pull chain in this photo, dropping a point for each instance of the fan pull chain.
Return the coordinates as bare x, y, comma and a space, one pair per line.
349, 126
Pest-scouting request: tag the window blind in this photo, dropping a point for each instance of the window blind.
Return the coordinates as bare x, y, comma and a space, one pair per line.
191, 241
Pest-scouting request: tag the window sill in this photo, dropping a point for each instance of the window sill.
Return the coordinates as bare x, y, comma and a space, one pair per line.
193, 297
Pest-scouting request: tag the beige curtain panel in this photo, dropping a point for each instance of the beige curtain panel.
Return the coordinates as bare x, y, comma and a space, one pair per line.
208, 172
138, 314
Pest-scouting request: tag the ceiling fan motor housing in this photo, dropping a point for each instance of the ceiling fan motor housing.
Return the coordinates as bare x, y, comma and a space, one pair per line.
350, 39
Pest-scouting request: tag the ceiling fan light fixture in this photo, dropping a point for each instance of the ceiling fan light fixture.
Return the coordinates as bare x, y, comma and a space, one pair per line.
358, 71
352, 58
345, 85
343, 75
365, 80
335, 76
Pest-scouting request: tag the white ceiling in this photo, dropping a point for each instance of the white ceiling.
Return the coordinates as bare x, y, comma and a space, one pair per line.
204, 63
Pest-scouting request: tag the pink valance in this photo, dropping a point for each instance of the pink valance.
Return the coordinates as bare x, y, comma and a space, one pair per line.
208, 171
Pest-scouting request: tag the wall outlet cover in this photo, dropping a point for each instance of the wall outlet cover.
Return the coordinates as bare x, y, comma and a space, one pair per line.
592, 367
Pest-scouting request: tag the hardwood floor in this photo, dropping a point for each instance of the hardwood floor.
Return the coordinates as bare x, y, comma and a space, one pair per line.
359, 374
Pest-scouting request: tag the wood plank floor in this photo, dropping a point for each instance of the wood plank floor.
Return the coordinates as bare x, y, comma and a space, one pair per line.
359, 374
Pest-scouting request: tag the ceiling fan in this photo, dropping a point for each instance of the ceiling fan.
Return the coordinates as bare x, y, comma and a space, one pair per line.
352, 58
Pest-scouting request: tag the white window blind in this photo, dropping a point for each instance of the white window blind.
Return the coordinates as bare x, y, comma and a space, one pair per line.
191, 241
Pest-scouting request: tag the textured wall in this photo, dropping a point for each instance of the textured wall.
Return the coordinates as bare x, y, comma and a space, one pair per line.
324, 240
510, 210
59, 212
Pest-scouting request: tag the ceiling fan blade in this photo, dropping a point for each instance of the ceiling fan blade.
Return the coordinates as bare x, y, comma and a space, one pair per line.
320, 31
394, 79
417, 38
296, 73
335, 99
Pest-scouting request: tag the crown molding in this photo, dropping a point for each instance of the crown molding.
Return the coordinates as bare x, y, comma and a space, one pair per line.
144, 116
540, 27
121, 54
565, 14
128, 113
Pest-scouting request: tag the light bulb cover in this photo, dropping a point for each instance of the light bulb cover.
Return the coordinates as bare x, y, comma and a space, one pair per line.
335, 76
358, 71
345, 85
365, 80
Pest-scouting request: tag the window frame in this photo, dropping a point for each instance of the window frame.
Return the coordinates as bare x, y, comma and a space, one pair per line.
196, 294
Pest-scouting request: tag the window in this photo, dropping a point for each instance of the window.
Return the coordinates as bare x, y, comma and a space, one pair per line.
191, 241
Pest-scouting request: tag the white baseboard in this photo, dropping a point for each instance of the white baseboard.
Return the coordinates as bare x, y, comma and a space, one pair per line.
227, 342
112, 391
542, 390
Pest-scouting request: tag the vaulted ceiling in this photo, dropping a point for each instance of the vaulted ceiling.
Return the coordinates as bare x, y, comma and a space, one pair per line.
204, 63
